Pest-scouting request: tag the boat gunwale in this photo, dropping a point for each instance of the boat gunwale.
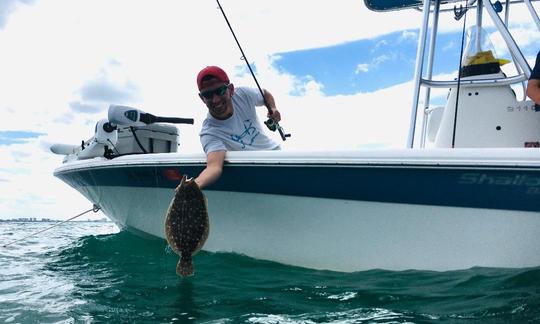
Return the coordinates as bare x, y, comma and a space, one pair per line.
510, 158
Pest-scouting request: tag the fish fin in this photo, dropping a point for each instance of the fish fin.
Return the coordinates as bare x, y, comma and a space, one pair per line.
182, 184
184, 267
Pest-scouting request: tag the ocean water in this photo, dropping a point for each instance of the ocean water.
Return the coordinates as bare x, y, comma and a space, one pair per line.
91, 273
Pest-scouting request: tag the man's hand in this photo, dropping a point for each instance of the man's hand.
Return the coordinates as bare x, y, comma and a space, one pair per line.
274, 114
533, 90
271, 105
213, 170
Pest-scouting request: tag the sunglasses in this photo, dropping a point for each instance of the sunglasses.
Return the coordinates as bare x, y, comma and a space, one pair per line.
219, 91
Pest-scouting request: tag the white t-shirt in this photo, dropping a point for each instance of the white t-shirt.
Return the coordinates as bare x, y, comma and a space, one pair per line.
242, 131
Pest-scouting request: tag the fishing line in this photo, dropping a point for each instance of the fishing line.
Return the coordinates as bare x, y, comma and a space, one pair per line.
458, 14
270, 123
94, 208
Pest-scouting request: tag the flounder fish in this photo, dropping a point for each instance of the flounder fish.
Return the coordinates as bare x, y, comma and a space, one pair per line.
186, 224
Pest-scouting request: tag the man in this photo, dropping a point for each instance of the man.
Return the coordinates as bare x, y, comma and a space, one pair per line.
533, 86
231, 123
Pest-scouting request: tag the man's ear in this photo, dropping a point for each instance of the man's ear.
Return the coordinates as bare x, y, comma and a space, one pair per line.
231, 88
200, 96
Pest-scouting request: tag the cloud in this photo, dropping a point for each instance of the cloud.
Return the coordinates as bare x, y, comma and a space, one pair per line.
19, 156
382, 58
525, 34
313, 88
346, 121
362, 67
17, 137
381, 43
65, 118
28, 187
112, 84
9, 6
80, 107
103, 90
375, 62
252, 21
449, 46
408, 35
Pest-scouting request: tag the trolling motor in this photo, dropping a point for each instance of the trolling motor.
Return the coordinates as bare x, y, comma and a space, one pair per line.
129, 116
105, 137
133, 117
107, 142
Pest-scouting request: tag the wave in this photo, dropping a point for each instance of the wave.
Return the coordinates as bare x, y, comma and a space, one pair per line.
135, 278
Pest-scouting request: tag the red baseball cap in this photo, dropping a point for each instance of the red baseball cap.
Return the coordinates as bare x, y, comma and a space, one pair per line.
214, 71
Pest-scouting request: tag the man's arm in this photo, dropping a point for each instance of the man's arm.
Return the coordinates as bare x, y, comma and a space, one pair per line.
533, 90
274, 114
213, 170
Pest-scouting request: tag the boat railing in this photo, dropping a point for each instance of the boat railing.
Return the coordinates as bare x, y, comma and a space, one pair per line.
421, 80
533, 13
478, 82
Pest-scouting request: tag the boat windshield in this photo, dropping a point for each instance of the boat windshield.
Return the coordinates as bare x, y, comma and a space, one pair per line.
479, 49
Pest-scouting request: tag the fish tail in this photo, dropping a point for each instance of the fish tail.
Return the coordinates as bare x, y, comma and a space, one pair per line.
184, 267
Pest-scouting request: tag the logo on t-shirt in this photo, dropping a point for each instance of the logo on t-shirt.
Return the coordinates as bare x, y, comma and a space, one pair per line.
248, 135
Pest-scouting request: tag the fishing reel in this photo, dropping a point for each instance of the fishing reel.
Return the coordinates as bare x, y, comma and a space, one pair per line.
274, 125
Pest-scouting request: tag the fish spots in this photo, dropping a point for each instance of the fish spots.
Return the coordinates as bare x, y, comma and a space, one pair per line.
187, 224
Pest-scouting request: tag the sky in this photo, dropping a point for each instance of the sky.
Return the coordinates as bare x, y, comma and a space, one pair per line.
341, 75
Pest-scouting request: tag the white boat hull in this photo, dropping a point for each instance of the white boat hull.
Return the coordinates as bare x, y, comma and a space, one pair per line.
342, 235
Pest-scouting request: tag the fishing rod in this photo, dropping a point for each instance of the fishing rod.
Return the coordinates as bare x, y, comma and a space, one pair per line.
458, 13
272, 125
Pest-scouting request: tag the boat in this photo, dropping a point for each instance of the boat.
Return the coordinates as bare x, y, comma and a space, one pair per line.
463, 193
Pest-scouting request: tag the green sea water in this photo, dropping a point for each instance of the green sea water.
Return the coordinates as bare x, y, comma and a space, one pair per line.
91, 273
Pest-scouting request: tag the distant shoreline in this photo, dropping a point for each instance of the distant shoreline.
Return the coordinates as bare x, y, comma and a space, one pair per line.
46, 220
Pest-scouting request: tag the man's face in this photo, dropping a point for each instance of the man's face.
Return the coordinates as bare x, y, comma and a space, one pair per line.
216, 95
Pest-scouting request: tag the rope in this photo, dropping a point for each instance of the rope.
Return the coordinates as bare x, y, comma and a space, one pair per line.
94, 208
